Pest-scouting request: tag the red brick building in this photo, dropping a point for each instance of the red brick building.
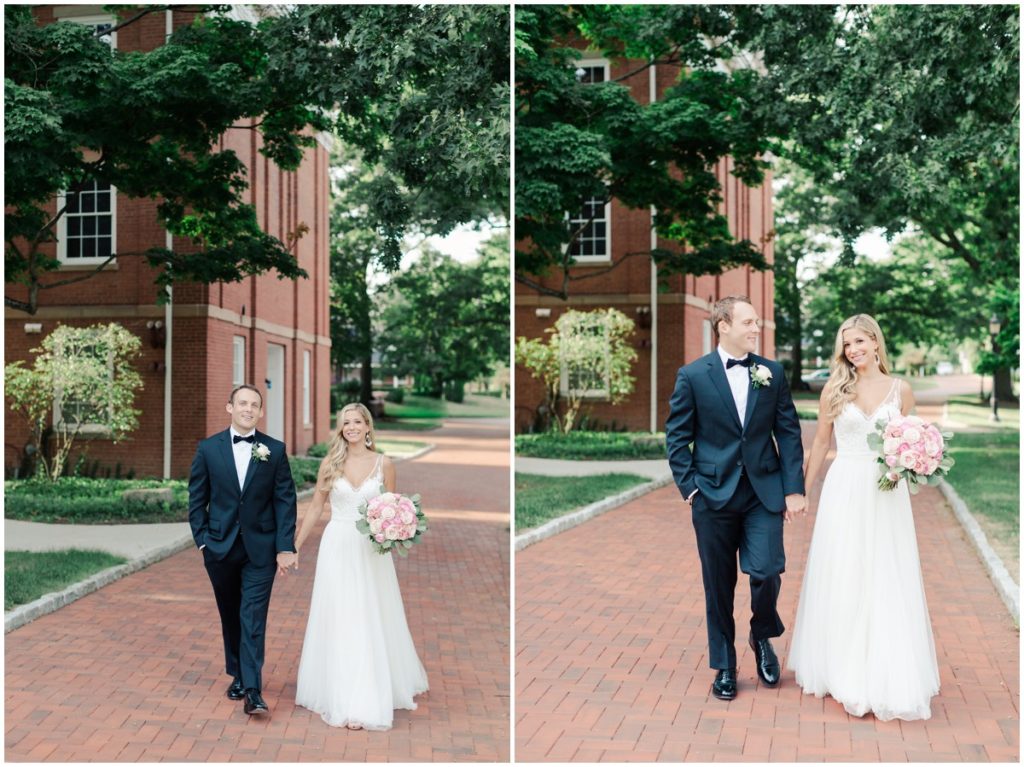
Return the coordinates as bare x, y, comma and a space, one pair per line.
673, 327
274, 333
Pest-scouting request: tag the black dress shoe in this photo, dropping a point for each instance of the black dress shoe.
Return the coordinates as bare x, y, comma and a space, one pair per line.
767, 662
254, 703
236, 691
724, 686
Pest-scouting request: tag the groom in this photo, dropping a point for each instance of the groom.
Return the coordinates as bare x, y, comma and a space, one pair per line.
739, 482
241, 507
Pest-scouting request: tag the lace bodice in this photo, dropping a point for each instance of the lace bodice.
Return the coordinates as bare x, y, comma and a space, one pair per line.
345, 499
853, 426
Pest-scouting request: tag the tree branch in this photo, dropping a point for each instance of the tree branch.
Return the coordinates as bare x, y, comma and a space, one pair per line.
615, 265
524, 280
19, 305
671, 59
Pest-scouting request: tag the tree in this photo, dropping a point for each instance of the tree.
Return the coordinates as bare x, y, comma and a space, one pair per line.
90, 373
577, 141
585, 353
146, 123
907, 116
445, 322
431, 154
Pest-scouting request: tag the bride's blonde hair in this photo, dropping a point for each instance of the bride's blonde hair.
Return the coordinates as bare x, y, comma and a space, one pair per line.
333, 465
843, 379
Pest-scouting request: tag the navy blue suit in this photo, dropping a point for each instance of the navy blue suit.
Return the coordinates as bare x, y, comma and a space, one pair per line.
243, 530
742, 474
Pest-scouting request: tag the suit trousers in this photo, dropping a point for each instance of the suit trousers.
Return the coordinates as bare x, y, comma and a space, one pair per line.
746, 526
242, 591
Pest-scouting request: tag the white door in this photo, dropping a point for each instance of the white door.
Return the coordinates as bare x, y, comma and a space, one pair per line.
275, 391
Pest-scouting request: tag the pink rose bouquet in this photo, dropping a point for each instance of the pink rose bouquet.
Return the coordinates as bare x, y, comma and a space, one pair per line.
393, 522
913, 448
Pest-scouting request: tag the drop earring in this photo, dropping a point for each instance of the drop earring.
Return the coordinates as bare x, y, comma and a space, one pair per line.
368, 441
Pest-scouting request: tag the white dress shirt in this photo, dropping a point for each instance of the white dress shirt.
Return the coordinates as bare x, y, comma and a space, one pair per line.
739, 382
243, 454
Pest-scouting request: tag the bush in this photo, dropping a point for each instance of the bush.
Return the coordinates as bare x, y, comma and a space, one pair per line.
87, 501
345, 392
396, 395
593, 446
304, 470
319, 450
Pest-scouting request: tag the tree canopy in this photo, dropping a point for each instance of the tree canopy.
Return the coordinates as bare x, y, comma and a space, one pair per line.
577, 140
419, 89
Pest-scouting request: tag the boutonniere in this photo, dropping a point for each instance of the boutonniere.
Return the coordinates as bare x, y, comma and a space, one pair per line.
260, 452
760, 376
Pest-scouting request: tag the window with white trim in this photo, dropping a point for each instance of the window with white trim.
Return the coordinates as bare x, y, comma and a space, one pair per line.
305, 387
237, 361
592, 244
706, 336
68, 412
86, 233
585, 380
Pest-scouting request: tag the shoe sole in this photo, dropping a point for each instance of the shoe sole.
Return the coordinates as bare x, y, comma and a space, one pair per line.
258, 712
722, 696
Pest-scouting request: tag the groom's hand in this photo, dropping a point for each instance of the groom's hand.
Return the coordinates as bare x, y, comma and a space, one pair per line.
795, 503
286, 559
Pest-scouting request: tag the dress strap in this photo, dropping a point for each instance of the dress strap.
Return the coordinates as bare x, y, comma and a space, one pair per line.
379, 466
895, 394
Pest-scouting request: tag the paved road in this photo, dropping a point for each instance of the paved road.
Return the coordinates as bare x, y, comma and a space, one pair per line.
134, 672
611, 660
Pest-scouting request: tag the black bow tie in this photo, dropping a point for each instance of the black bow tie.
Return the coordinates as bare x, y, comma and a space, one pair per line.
236, 439
745, 362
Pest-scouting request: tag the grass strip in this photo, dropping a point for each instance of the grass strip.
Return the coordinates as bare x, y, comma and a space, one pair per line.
30, 574
541, 498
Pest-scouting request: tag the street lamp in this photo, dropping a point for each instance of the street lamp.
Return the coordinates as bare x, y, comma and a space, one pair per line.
994, 326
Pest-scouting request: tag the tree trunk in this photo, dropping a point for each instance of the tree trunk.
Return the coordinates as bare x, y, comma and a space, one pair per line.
1003, 386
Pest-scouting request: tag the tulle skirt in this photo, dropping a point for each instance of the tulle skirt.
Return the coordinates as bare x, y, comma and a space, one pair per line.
862, 632
358, 660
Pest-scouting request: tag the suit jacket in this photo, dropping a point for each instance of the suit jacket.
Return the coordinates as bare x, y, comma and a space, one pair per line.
703, 413
263, 510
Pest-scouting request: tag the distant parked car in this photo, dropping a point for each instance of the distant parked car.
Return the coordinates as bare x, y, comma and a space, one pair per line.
816, 379
944, 369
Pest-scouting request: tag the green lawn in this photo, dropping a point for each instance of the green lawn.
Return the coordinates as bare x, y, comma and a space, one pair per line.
973, 413
593, 445
28, 575
474, 406
540, 498
987, 476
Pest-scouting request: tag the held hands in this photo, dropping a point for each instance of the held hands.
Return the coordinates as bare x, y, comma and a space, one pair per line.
286, 560
795, 504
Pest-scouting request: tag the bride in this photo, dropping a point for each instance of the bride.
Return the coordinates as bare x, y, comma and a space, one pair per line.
862, 632
358, 661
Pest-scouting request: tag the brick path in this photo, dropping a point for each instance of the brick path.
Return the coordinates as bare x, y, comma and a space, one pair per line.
611, 654
134, 672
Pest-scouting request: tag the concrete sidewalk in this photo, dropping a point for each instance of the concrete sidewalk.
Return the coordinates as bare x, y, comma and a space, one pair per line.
134, 671
657, 470
611, 656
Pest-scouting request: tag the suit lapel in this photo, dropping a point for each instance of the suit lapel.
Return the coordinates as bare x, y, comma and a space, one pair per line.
716, 372
227, 454
752, 394
252, 466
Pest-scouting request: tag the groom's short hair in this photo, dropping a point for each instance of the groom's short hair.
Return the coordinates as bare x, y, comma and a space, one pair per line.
722, 310
250, 387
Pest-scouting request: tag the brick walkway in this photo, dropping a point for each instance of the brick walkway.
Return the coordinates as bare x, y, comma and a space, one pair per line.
134, 672
611, 654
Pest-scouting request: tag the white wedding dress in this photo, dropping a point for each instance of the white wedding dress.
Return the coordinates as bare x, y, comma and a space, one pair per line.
358, 660
862, 631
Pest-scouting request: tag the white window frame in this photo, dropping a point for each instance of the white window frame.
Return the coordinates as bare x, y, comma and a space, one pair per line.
90, 20
237, 361
62, 228
707, 337
98, 429
606, 257
305, 388
563, 379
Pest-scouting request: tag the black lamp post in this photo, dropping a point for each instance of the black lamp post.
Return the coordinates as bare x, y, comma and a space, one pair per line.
994, 326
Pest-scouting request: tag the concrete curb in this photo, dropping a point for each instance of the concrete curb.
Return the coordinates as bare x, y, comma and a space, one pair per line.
1008, 590
53, 601
571, 520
